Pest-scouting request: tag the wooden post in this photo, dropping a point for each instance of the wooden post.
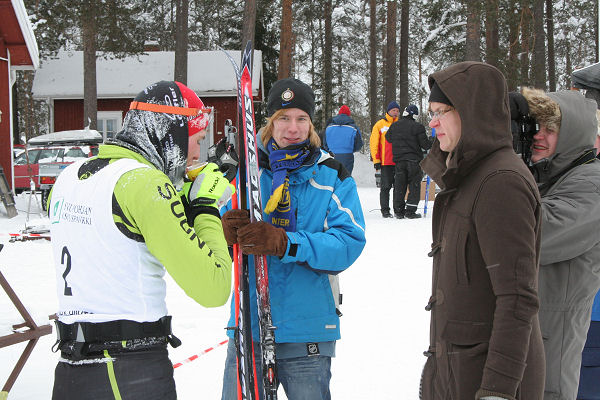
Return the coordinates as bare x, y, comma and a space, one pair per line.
32, 335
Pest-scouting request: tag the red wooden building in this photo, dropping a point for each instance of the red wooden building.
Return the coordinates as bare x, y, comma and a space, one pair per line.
59, 82
18, 50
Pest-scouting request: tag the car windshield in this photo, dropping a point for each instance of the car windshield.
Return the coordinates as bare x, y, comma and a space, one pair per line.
22, 158
51, 155
66, 154
17, 152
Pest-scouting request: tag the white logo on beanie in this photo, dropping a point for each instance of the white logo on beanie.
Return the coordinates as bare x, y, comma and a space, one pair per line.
287, 95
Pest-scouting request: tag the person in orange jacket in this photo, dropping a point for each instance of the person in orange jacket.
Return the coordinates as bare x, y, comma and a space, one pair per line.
381, 154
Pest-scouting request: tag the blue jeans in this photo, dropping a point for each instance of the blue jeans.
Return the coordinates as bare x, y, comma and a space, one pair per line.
302, 378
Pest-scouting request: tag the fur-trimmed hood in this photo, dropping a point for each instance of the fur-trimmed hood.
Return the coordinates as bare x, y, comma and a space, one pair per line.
542, 108
578, 127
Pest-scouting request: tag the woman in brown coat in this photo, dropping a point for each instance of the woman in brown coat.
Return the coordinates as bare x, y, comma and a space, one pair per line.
485, 340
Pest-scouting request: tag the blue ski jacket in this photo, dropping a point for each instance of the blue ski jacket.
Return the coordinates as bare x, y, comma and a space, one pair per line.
596, 308
342, 136
329, 237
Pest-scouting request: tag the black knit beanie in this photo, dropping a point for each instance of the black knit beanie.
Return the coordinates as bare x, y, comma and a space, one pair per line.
438, 96
291, 93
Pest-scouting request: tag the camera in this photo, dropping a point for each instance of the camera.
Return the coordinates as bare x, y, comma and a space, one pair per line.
522, 125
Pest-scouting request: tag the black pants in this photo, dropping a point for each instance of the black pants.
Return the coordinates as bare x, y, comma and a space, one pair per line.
408, 174
387, 181
134, 375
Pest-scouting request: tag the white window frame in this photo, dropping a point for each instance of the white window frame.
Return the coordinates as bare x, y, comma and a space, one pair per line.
108, 115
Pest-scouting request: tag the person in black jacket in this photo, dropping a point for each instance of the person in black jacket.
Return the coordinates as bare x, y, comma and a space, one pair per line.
408, 139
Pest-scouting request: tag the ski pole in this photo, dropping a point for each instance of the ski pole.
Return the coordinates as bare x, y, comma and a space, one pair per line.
426, 195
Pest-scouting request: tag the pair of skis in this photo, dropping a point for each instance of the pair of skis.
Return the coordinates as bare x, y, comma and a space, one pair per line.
250, 198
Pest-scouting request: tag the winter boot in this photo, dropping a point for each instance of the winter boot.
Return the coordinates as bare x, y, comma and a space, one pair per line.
413, 215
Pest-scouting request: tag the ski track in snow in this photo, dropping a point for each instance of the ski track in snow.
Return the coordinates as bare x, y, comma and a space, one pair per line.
384, 327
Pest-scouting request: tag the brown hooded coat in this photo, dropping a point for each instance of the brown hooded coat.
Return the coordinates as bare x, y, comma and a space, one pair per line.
485, 337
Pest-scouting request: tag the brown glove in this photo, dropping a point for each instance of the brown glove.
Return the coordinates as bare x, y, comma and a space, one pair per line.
262, 238
232, 220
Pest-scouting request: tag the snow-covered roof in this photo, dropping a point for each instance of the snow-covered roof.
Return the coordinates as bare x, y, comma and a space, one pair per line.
210, 74
62, 137
587, 77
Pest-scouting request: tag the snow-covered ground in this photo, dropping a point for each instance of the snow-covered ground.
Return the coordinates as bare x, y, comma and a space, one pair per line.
384, 327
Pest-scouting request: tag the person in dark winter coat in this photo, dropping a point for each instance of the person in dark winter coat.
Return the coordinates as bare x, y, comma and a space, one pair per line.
408, 139
343, 138
485, 339
568, 177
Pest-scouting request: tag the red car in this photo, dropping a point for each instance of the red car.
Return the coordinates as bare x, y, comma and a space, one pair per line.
55, 148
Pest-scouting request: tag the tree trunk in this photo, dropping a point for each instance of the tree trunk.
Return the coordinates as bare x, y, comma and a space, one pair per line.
181, 41
472, 42
421, 91
596, 29
285, 48
492, 40
390, 53
539, 47
551, 56
373, 104
404, 37
327, 62
512, 65
89, 37
29, 118
313, 41
341, 90
525, 20
249, 25
569, 67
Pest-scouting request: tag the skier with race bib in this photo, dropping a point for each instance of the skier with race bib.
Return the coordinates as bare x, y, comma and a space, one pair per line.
118, 224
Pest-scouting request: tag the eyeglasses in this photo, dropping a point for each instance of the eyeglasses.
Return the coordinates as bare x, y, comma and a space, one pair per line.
433, 115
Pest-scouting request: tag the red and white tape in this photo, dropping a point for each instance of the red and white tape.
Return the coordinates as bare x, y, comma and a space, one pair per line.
195, 356
21, 236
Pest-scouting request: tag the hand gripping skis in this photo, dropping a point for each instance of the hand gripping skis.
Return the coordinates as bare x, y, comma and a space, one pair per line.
250, 199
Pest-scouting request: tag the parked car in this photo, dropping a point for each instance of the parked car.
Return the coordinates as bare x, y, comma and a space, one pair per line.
17, 150
46, 156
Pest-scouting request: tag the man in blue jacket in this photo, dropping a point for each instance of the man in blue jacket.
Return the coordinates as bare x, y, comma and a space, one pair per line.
313, 228
343, 138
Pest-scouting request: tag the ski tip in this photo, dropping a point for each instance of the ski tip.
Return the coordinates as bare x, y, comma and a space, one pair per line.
247, 58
